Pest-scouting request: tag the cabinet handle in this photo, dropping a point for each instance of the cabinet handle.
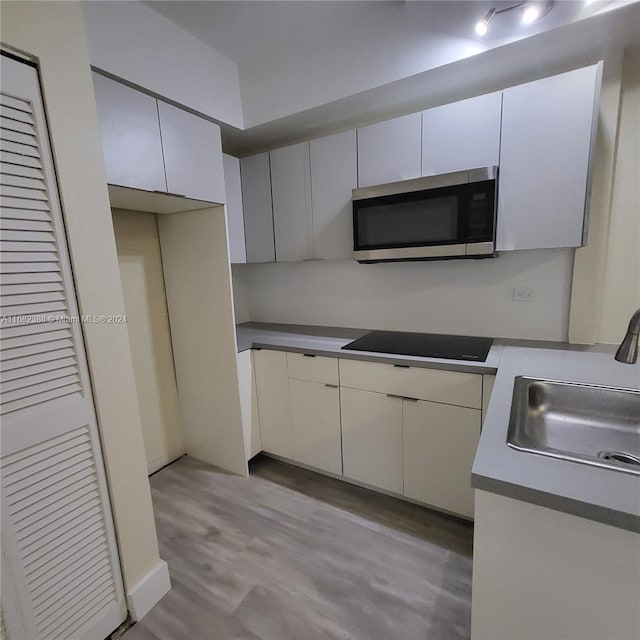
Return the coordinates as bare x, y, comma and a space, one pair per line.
331, 386
402, 366
393, 395
309, 355
169, 193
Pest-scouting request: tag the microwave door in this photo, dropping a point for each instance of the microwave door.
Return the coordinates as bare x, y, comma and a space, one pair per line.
410, 226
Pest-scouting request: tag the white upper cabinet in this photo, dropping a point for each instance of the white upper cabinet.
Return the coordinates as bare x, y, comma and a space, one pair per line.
297, 200
235, 215
291, 192
461, 135
150, 145
130, 134
192, 154
548, 128
390, 151
334, 173
258, 212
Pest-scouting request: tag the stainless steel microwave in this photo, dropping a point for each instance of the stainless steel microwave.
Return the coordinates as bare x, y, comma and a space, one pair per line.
452, 215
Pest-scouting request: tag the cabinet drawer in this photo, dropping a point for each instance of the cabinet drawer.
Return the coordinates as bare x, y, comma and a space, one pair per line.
436, 385
313, 368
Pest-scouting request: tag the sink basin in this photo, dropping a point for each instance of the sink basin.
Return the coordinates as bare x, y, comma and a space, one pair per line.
584, 423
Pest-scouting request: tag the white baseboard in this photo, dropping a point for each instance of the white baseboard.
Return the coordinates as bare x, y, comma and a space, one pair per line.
162, 461
149, 591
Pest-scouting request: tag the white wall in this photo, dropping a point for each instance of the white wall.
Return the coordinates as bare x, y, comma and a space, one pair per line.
606, 282
135, 43
240, 293
145, 302
622, 274
472, 297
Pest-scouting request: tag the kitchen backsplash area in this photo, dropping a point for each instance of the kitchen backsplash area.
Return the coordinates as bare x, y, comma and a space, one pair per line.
458, 296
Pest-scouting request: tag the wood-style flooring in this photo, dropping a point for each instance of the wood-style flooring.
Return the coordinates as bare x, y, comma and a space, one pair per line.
288, 554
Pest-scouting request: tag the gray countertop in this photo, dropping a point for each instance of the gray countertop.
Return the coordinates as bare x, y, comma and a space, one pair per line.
608, 496
596, 493
328, 341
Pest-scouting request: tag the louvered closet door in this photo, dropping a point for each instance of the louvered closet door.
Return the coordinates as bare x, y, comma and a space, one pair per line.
58, 542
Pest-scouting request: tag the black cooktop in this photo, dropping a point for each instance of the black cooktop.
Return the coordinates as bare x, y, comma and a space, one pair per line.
424, 345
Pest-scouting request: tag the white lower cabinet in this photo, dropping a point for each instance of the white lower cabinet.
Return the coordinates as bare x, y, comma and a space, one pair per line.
249, 404
540, 574
361, 419
372, 438
315, 424
488, 381
439, 444
272, 386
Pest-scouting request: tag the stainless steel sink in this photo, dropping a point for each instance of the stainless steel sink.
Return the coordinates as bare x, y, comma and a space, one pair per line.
585, 423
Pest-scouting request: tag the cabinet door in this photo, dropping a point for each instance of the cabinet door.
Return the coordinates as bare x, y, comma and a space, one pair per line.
440, 444
255, 437
390, 150
249, 404
130, 133
255, 175
192, 154
272, 385
488, 381
461, 135
372, 438
235, 215
545, 154
291, 192
315, 424
334, 174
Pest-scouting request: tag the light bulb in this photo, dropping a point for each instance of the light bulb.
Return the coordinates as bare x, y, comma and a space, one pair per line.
530, 14
483, 25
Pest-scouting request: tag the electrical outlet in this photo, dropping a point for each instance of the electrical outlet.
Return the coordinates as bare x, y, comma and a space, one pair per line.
524, 294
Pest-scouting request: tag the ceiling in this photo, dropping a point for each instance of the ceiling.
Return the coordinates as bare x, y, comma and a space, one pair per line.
294, 57
247, 32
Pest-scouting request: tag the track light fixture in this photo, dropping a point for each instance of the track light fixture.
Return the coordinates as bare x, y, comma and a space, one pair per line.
483, 25
531, 11
530, 14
